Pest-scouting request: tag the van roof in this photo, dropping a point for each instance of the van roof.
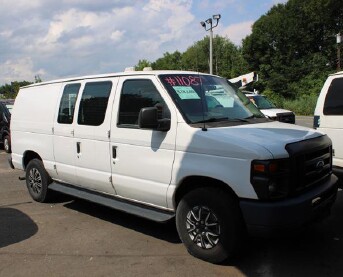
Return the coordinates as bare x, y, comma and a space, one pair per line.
108, 75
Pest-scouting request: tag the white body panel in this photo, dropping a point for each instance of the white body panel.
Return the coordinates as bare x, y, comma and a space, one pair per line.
332, 125
142, 168
93, 163
32, 124
65, 148
229, 151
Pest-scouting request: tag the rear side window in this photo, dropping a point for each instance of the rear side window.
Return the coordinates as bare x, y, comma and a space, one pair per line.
334, 98
93, 103
138, 94
67, 104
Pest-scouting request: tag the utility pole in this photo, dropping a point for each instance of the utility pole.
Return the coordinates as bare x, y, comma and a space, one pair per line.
338, 40
211, 26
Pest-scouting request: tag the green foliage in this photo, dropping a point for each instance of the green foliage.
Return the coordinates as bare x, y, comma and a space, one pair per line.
293, 46
169, 61
196, 57
10, 91
141, 64
303, 105
228, 60
277, 99
38, 79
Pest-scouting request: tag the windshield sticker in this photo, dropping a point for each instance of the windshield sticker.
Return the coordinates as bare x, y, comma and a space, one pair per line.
186, 92
183, 81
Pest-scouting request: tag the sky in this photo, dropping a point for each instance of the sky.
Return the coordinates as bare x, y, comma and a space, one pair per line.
57, 39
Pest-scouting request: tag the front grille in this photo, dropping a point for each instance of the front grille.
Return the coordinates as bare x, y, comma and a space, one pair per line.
286, 117
311, 163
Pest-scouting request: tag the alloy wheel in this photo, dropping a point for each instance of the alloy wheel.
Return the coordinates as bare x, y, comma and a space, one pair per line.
35, 181
203, 227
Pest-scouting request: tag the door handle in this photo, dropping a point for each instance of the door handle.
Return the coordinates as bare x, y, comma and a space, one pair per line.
78, 147
114, 152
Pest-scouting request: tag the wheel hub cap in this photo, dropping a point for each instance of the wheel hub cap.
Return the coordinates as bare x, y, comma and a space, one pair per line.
203, 227
35, 181
6, 145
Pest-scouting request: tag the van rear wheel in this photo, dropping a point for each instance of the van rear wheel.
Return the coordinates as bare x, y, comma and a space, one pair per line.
210, 225
7, 144
37, 180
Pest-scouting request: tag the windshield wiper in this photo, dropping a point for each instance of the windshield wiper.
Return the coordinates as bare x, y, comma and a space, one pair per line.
217, 119
212, 119
237, 119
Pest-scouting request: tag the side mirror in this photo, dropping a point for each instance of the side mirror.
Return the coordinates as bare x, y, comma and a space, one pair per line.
148, 119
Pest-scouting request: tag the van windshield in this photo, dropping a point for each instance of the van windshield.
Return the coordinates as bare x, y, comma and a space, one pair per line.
205, 98
261, 102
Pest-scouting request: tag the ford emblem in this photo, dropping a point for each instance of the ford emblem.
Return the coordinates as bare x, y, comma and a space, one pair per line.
320, 166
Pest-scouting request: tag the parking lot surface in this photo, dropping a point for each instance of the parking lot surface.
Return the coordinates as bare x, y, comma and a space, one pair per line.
70, 237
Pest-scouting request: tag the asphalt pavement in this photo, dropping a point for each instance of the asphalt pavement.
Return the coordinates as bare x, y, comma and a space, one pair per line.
70, 237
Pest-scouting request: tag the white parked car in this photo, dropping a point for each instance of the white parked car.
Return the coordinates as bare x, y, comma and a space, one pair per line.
270, 110
328, 117
157, 144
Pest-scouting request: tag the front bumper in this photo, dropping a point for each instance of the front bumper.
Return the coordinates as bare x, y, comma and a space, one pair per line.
338, 171
267, 217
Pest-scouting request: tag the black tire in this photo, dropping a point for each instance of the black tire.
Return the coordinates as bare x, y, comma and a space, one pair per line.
215, 232
37, 180
7, 144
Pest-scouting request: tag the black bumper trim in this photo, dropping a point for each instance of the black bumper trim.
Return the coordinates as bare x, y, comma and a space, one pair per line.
290, 213
338, 171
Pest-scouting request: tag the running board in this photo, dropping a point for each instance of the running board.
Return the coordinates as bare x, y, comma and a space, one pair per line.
113, 202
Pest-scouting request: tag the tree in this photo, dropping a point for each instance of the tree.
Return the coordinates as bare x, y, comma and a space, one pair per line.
169, 61
141, 64
10, 91
38, 79
227, 58
292, 47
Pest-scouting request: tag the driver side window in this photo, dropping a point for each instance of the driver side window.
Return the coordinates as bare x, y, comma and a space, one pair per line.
135, 95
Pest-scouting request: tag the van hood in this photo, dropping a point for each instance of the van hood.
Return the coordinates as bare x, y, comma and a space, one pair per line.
274, 136
250, 141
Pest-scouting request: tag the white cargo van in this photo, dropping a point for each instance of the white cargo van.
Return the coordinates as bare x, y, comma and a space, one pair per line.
153, 144
328, 118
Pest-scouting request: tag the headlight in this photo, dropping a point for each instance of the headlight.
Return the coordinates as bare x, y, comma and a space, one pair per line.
270, 178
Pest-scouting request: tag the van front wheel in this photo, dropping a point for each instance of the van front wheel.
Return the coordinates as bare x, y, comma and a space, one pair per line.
209, 223
37, 180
